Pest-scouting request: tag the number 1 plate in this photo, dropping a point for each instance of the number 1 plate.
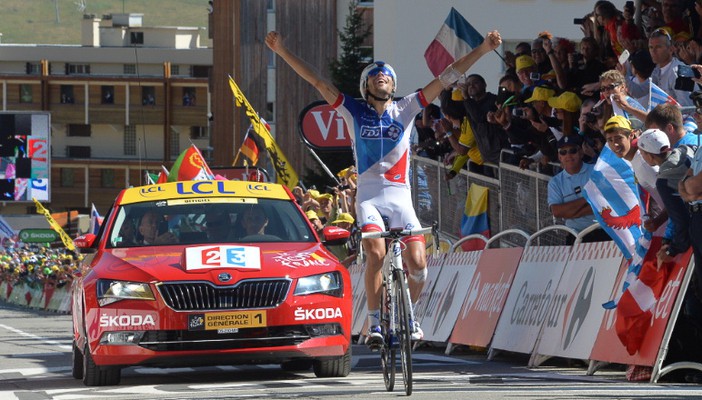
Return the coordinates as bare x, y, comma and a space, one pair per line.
226, 320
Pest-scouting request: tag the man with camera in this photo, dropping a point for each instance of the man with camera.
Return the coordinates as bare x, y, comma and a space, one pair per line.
666, 73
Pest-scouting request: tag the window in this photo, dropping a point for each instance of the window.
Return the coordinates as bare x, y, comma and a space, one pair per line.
200, 71
72, 69
129, 69
270, 112
67, 94
189, 98
78, 151
136, 37
130, 140
78, 130
270, 56
108, 95
107, 178
175, 144
198, 132
270, 5
175, 69
26, 94
148, 95
33, 69
68, 178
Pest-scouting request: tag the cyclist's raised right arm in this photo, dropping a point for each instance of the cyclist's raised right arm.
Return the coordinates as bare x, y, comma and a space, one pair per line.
328, 91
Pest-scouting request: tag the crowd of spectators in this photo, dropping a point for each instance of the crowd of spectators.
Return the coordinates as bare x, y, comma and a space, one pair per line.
36, 266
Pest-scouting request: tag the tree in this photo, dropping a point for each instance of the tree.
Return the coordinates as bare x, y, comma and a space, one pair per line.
345, 72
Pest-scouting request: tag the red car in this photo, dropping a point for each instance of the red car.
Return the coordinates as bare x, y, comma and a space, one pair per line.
207, 273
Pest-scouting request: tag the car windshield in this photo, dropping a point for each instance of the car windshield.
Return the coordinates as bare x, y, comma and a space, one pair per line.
221, 220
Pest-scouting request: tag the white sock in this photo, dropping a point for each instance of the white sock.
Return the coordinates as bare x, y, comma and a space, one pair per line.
373, 317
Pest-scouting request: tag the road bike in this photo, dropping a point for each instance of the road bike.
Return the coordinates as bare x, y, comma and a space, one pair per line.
396, 313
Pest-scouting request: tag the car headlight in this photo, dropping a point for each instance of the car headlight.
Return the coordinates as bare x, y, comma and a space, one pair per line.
109, 291
328, 283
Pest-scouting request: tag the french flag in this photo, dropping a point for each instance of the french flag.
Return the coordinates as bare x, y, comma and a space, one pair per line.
455, 38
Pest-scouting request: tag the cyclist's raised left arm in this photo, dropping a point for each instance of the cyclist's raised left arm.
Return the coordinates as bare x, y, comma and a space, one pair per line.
460, 66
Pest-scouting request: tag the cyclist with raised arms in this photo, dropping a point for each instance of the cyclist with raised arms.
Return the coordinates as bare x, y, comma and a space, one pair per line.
380, 133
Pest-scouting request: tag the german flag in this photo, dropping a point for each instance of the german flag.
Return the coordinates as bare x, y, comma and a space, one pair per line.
250, 149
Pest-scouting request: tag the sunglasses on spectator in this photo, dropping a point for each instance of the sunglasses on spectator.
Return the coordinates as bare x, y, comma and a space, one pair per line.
571, 150
609, 87
660, 32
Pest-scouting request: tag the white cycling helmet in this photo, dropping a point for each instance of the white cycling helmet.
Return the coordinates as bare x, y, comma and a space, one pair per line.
373, 69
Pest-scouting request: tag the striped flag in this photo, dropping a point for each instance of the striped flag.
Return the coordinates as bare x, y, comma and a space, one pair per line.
95, 220
475, 217
455, 38
658, 96
250, 149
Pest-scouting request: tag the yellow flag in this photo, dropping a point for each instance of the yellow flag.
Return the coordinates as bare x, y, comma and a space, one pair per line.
67, 241
283, 170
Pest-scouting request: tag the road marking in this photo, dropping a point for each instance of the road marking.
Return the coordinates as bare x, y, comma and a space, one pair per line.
39, 338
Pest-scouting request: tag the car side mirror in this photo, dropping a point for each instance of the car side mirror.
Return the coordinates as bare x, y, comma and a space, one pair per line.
84, 243
334, 236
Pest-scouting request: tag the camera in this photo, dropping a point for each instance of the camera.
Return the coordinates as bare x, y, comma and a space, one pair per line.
518, 112
535, 76
591, 118
578, 21
344, 187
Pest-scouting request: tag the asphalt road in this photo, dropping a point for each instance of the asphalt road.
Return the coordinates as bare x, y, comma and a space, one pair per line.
35, 363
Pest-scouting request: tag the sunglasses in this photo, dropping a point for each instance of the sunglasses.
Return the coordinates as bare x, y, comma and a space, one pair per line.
660, 32
572, 150
375, 71
609, 87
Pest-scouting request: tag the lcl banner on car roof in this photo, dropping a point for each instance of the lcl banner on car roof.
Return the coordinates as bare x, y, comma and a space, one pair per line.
204, 190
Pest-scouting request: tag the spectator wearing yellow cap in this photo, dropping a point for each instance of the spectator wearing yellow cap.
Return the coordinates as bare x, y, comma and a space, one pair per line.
621, 138
309, 200
525, 66
314, 219
566, 108
456, 129
346, 253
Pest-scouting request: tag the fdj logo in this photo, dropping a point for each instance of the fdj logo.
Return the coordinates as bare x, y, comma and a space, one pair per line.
392, 132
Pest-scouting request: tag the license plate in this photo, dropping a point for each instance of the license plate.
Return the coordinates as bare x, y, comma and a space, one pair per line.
230, 330
226, 320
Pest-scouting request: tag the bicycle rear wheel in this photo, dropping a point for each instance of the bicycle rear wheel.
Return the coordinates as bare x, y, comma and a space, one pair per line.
404, 333
387, 351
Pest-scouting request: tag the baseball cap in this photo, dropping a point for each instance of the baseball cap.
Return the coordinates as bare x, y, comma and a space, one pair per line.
540, 93
311, 215
654, 141
617, 121
568, 101
325, 196
523, 62
570, 140
344, 217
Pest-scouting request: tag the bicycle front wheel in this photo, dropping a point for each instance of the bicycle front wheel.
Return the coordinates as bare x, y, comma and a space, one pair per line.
404, 332
387, 351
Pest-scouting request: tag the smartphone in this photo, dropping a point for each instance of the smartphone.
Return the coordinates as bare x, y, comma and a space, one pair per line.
624, 57
578, 21
686, 71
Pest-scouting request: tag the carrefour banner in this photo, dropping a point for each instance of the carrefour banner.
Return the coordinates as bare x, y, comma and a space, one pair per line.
585, 285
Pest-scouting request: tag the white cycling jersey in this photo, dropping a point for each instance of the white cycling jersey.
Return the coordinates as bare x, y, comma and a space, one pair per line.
381, 147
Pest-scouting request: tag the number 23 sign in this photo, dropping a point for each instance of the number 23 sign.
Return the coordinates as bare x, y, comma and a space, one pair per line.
208, 257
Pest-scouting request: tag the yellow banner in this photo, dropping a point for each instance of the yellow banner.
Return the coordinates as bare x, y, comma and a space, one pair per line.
67, 241
283, 170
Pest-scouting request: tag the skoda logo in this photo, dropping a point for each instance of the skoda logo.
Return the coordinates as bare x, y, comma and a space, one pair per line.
224, 277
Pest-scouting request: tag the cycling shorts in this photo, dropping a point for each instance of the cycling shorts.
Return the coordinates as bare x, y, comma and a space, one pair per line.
374, 202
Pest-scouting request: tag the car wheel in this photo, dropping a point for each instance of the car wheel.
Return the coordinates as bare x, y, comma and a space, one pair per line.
333, 367
296, 365
77, 368
98, 376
